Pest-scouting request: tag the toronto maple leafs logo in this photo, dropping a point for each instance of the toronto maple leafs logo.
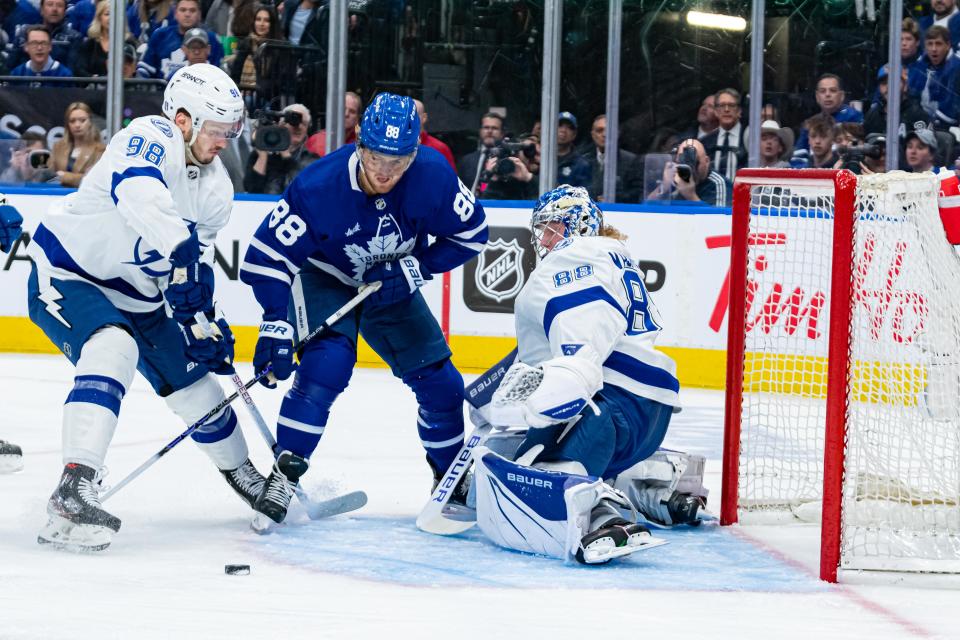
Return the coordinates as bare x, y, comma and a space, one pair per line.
386, 244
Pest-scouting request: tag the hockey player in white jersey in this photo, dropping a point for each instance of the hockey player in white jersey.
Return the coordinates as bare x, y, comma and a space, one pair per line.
135, 239
594, 396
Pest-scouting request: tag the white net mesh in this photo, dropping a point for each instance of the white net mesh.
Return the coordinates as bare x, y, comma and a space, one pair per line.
901, 490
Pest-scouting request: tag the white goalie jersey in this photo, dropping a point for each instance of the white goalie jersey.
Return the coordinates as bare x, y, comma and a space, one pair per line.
134, 207
588, 292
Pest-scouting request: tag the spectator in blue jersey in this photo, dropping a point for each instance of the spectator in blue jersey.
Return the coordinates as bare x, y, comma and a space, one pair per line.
363, 213
165, 54
65, 41
831, 98
80, 14
146, 16
935, 81
572, 168
40, 64
692, 180
943, 13
195, 50
16, 13
909, 42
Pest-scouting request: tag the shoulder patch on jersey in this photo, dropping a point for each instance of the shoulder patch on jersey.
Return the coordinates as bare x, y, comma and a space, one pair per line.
570, 349
164, 126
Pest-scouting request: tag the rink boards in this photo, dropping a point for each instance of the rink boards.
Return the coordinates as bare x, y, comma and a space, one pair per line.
684, 252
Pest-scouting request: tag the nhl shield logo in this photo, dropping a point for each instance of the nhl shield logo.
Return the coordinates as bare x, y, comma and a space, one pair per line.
381, 204
499, 273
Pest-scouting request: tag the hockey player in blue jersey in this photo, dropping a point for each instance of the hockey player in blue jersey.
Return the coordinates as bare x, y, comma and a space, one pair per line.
362, 214
595, 396
11, 226
136, 238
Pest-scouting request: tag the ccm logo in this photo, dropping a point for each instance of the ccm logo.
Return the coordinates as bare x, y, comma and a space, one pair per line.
533, 482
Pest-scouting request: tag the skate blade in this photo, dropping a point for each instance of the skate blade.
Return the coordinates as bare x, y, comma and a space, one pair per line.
604, 549
63, 535
11, 464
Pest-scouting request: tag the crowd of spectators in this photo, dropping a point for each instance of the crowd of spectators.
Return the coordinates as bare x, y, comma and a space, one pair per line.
45, 39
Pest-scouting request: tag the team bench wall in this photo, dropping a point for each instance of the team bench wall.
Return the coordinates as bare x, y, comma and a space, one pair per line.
684, 251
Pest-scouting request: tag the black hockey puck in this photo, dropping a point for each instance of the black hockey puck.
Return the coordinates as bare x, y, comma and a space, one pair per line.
236, 569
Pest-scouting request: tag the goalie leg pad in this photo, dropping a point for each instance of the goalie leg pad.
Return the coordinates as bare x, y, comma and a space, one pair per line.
104, 372
527, 509
666, 487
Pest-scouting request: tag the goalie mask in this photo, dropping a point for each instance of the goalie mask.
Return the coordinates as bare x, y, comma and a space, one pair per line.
565, 212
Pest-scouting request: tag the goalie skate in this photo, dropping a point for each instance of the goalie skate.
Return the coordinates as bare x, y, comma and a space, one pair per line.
11, 457
616, 539
77, 522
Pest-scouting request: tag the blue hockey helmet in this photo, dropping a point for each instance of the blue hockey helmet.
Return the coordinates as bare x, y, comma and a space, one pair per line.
390, 125
564, 212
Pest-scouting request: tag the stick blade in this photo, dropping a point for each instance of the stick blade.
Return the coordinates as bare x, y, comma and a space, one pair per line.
436, 523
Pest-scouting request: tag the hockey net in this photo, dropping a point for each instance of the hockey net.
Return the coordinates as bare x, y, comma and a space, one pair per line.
843, 376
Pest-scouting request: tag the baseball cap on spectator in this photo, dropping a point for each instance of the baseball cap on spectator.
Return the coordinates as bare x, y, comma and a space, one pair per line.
883, 72
129, 52
195, 35
925, 136
566, 116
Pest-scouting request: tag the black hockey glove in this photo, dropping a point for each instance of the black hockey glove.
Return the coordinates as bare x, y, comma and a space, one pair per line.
274, 348
214, 352
400, 279
190, 287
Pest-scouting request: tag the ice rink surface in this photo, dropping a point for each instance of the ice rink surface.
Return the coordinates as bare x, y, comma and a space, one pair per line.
373, 574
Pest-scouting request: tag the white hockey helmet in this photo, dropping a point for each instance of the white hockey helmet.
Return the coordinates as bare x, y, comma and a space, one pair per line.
208, 94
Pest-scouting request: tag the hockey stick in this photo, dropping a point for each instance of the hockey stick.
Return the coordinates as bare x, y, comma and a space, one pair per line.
432, 518
365, 291
315, 510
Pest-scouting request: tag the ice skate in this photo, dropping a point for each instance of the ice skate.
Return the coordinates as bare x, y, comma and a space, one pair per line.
77, 522
11, 457
683, 508
246, 481
457, 508
274, 499
615, 539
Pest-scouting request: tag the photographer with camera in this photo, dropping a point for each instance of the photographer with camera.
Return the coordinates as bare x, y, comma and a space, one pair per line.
279, 153
690, 178
28, 161
507, 171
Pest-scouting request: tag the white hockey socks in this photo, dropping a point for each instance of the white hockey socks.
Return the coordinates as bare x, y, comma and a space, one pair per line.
104, 372
220, 437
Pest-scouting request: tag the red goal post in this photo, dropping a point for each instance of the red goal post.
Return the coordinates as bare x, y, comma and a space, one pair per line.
843, 368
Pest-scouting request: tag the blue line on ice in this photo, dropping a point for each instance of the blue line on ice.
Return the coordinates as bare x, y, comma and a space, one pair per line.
391, 549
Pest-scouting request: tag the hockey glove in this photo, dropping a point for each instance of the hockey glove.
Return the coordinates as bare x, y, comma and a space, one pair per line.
215, 351
190, 287
554, 392
399, 278
274, 349
10, 225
